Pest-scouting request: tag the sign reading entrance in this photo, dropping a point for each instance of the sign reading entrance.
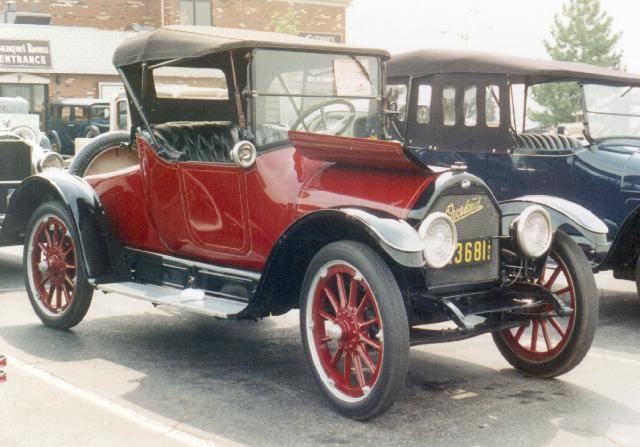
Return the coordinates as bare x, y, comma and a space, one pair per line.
25, 53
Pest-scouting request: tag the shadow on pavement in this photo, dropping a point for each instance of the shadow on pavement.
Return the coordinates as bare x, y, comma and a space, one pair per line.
248, 382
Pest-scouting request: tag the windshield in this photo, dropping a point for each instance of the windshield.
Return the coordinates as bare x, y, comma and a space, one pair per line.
612, 111
312, 92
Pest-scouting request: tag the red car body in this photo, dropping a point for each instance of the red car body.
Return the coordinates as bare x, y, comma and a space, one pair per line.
227, 215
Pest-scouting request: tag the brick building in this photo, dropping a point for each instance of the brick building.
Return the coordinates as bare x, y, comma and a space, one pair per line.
52, 49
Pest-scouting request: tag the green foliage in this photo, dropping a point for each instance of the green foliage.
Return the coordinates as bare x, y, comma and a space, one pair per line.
286, 23
583, 33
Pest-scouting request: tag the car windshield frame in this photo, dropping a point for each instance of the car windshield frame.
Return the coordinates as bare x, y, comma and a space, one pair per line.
590, 111
374, 76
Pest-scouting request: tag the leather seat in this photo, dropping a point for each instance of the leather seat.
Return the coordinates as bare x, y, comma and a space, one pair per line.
200, 141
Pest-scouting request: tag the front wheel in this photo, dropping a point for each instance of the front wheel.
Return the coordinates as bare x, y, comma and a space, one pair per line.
54, 275
354, 329
548, 345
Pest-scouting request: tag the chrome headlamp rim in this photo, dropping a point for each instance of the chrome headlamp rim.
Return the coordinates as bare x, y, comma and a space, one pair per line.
519, 225
422, 230
32, 136
47, 157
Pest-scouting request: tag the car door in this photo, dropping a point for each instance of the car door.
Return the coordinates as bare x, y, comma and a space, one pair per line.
214, 204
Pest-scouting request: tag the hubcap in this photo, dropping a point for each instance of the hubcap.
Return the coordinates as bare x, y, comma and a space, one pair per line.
52, 267
344, 324
546, 334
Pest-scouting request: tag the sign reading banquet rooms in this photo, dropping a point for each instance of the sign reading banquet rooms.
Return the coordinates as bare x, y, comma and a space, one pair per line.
25, 53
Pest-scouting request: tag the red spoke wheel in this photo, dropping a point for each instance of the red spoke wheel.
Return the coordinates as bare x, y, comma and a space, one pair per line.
55, 280
355, 329
549, 345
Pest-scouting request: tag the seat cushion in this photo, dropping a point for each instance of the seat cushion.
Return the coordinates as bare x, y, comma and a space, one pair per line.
202, 141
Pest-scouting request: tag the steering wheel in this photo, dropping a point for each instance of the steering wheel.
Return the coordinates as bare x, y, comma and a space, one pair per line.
330, 122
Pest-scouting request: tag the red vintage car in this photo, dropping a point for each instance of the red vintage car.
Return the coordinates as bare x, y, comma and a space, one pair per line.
282, 192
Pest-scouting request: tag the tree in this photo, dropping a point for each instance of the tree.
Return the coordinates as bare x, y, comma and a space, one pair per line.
583, 33
286, 23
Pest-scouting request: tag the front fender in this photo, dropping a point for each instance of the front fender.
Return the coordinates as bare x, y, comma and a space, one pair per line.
396, 237
101, 252
569, 217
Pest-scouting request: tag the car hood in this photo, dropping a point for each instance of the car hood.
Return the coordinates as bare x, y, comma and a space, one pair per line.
348, 151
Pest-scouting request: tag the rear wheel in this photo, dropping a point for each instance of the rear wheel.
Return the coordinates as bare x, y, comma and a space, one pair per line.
354, 329
104, 153
548, 345
54, 275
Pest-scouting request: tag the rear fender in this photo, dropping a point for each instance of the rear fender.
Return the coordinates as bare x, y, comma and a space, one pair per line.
576, 221
103, 255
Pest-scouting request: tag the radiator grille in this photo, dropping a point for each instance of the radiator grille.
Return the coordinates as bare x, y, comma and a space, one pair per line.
15, 165
15, 159
478, 218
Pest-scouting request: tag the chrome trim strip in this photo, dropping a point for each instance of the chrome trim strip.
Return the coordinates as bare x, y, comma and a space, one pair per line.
225, 271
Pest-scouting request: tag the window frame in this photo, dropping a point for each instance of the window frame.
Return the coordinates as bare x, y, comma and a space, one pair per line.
192, 5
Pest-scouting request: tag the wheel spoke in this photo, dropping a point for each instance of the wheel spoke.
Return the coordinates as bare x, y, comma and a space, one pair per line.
341, 290
374, 344
353, 293
520, 331
534, 336
347, 368
366, 324
327, 316
324, 340
336, 357
363, 303
66, 294
47, 236
362, 351
545, 333
359, 372
332, 299
562, 291
557, 327
69, 266
42, 248
553, 277
58, 297
50, 293
69, 281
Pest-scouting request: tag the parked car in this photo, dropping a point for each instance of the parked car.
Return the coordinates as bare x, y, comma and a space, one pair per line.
14, 115
20, 152
479, 109
76, 118
282, 194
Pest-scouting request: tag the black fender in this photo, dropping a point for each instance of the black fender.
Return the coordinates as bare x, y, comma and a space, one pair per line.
278, 290
624, 250
103, 256
576, 221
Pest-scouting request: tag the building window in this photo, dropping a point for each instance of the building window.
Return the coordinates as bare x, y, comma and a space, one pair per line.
195, 12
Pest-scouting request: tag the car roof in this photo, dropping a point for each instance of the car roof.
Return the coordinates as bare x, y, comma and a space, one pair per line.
185, 41
81, 101
520, 69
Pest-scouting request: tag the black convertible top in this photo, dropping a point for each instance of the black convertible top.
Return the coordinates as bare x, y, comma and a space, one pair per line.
183, 42
531, 71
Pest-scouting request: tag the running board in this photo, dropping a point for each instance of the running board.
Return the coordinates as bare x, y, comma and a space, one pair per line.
193, 300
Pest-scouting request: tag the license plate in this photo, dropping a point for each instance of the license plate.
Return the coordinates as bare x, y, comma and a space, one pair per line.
473, 252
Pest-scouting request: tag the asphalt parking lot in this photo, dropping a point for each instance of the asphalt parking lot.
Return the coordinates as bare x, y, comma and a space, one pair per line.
131, 374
